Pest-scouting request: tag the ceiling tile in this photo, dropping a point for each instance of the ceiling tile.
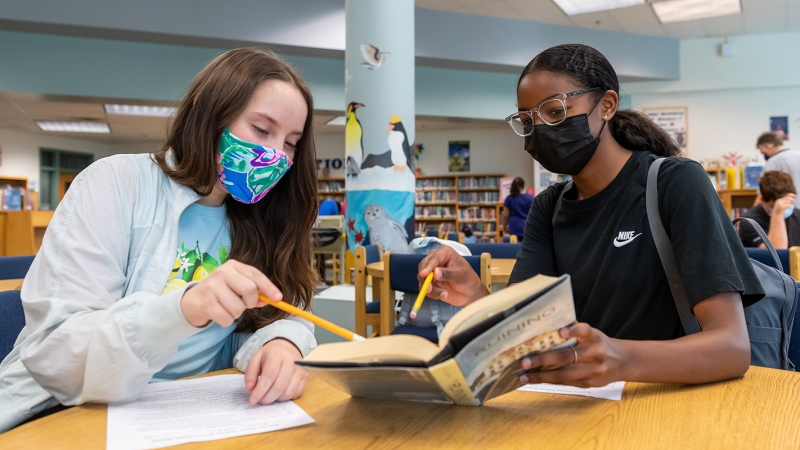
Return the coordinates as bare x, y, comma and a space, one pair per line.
635, 16
685, 30
538, 10
724, 26
748, 5
765, 20
495, 9
599, 21
43, 110
473, 2
444, 5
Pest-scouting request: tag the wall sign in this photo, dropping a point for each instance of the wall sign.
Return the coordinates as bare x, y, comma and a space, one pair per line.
330, 163
674, 121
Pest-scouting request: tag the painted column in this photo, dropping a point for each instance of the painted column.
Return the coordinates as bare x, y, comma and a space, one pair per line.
379, 134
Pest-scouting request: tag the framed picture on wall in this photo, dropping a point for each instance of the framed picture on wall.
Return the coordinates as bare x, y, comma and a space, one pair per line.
673, 120
458, 156
780, 125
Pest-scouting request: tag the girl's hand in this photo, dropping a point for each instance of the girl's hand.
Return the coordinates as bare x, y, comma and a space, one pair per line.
600, 360
454, 280
226, 293
271, 374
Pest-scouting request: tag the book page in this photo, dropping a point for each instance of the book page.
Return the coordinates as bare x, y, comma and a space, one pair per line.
397, 348
203, 409
611, 391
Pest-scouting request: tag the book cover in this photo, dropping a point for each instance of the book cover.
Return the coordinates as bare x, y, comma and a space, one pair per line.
478, 357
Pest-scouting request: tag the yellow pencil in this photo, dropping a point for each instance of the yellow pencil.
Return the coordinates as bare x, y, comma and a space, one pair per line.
421, 296
316, 320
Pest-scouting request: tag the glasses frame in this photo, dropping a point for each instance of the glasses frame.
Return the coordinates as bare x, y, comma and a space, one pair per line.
561, 98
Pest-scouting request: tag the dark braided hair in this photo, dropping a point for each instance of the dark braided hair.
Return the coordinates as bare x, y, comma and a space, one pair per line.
589, 68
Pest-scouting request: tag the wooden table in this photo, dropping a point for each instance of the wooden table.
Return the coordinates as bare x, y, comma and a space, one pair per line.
501, 270
761, 410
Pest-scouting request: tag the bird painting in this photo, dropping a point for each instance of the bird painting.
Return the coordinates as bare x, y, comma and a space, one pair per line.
373, 58
382, 229
354, 141
398, 145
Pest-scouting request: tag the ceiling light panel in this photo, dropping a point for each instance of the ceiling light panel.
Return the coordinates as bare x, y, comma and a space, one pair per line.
574, 7
338, 120
140, 110
74, 127
670, 11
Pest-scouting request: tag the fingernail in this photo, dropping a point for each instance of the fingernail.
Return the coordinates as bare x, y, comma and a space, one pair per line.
523, 379
526, 363
564, 332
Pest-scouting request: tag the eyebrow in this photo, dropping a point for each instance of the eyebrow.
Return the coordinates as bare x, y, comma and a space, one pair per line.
275, 122
546, 99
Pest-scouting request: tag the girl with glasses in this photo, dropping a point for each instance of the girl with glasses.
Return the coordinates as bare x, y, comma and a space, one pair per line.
596, 229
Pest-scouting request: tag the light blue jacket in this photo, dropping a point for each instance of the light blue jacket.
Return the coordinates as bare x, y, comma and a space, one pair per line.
97, 328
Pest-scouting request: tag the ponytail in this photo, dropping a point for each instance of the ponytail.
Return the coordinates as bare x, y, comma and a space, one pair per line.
589, 68
517, 186
635, 131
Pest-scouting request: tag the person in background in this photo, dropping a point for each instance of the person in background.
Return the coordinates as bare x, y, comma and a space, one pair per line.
516, 208
779, 157
775, 213
152, 266
329, 207
469, 237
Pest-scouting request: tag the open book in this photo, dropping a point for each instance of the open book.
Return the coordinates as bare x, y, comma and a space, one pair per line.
478, 356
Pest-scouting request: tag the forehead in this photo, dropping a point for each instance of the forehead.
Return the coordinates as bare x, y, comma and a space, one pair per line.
538, 86
276, 93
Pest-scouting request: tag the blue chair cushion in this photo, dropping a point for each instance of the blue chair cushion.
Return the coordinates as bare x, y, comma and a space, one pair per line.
506, 238
428, 333
12, 320
433, 233
762, 255
452, 236
794, 344
404, 269
13, 267
374, 307
372, 254
499, 251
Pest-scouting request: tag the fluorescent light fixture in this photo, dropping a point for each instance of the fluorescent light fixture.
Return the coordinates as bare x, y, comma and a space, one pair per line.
140, 110
670, 11
338, 120
575, 7
74, 127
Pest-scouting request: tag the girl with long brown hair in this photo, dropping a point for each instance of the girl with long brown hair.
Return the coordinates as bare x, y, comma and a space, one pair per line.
151, 267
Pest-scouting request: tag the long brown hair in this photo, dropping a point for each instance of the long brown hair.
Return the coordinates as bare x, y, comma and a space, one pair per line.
273, 235
589, 68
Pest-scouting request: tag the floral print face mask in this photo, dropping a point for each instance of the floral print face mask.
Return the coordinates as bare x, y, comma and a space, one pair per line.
248, 171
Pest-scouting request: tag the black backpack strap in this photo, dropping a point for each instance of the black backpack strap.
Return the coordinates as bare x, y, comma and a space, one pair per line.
558, 202
764, 238
664, 247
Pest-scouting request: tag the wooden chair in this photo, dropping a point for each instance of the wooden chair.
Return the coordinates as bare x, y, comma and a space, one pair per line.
794, 263
366, 313
458, 237
510, 239
13, 270
335, 249
432, 232
400, 274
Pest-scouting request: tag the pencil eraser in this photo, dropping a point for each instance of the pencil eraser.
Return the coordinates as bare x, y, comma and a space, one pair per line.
412, 314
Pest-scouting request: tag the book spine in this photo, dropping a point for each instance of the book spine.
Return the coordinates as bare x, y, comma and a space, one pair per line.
452, 382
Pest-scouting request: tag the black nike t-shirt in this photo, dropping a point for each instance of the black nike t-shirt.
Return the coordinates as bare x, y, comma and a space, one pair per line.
604, 243
749, 235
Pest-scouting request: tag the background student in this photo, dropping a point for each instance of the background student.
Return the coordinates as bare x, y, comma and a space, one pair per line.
152, 265
628, 327
516, 208
775, 212
778, 157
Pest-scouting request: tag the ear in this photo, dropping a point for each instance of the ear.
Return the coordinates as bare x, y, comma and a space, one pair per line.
608, 105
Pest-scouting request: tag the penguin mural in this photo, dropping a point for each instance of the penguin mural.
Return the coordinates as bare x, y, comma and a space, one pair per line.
389, 233
399, 146
354, 147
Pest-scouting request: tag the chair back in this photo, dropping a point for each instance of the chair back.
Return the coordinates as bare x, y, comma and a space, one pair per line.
763, 256
402, 270
497, 251
14, 267
432, 232
794, 343
12, 320
509, 238
458, 237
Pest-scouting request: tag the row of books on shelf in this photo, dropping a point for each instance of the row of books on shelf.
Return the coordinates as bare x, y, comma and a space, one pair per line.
331, 186
477, 213
478, 182
483, 227
736, 177
421, 228
435, 183
479, 197
435, 212
433, 196
13, 198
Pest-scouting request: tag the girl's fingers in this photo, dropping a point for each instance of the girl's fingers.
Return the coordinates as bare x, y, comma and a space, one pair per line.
270, 368
280, 384
252, 372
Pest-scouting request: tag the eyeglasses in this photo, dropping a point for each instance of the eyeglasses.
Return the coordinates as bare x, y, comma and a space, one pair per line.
552, 111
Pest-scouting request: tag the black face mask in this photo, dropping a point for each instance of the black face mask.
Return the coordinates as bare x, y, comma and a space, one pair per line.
565, 148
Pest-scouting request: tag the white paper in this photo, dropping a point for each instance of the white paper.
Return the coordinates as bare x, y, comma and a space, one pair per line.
203, 409
611, 391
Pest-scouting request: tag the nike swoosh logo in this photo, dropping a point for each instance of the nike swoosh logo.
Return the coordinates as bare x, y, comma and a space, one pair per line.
625, 242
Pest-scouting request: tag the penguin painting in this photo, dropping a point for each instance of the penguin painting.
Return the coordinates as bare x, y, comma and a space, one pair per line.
398, 145
382, 229
354, 148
